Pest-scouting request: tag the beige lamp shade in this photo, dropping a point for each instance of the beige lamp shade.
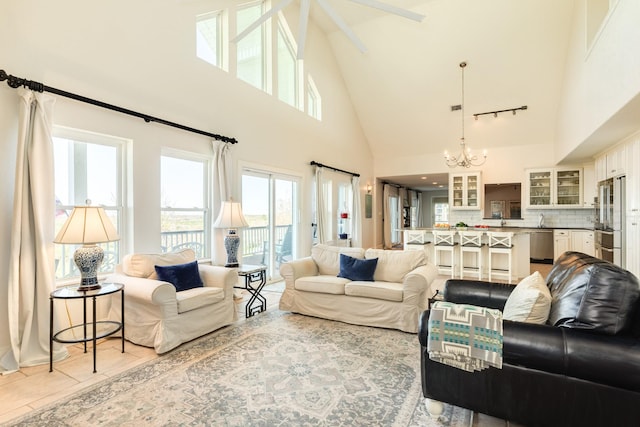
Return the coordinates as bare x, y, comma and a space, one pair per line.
87, 225
230, 216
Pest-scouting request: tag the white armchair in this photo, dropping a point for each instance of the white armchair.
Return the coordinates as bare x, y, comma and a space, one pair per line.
156, 315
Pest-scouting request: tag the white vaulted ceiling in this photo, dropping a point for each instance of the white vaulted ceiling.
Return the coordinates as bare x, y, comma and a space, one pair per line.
403, 87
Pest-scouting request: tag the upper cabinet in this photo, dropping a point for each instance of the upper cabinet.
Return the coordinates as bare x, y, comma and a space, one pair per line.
465, 191
554, 188
613, 163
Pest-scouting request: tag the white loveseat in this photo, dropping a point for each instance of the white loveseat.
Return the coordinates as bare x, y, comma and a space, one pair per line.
395, 299
158, 316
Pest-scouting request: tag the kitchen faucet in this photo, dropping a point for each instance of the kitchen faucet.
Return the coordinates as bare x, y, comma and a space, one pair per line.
541, 221
503, 222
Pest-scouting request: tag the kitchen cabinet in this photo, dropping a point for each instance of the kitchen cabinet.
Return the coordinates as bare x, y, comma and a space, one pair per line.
561, 242
616, 161
583, 241
601, 168
589, 186
554, 188
465, 191
632, 233
573, 240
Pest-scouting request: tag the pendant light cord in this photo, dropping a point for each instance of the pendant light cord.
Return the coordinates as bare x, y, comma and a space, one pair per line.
462, 65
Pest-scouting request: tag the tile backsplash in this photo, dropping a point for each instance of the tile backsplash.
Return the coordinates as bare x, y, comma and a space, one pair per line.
553, 218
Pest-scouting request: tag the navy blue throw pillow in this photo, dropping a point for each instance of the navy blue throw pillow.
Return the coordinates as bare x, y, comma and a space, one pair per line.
182, 276
357, 269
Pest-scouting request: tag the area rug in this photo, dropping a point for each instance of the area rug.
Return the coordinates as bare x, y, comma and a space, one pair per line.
275, 369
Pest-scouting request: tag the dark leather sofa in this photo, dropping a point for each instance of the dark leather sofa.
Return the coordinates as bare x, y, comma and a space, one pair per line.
582, 368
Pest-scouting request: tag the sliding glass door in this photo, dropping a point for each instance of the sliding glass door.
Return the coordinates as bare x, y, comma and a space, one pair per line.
270, 205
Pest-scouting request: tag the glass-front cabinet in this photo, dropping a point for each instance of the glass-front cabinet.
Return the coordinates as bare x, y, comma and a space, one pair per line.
465, 191
554, 188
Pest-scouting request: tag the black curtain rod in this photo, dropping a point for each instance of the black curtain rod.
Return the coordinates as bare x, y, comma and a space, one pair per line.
314, 163
16, 82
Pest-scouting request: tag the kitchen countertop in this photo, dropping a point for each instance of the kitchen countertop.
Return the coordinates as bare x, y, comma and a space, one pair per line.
507, 228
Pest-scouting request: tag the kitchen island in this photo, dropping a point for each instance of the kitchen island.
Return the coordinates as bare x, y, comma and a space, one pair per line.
422, 238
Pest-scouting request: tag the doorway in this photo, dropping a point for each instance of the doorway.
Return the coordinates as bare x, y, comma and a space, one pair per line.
270, 205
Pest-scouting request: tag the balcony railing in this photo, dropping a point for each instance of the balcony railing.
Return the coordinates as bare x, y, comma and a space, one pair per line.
253, 243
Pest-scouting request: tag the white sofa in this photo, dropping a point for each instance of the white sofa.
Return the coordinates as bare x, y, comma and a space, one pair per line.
395, 299
156, 315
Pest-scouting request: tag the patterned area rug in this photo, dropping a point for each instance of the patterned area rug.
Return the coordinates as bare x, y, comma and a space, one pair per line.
275, 369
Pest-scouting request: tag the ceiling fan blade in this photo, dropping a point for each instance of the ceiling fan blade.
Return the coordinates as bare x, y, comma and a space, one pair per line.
268, 14
342, 25
391, 9
302, 27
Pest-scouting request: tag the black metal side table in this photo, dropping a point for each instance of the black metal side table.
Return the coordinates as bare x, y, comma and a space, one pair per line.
255, 277
99, 328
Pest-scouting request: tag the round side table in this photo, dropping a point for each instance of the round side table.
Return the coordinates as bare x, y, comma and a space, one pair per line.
86, 331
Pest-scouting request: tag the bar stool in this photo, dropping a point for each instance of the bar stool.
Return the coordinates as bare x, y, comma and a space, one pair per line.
471, 243
500, 244
443, 242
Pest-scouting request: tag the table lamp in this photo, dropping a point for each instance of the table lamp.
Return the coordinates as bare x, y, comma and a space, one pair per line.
87, 225
231, 217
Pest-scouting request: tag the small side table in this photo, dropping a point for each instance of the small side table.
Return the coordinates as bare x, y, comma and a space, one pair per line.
255, 277
99, 329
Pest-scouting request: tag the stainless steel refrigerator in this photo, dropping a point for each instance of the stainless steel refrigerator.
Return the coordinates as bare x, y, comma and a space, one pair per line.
610, 224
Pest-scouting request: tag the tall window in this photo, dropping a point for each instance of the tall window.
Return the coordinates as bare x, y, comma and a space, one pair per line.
314, 102
287, 66
440, 210
184, 203
88, 167
251, 48
209, 39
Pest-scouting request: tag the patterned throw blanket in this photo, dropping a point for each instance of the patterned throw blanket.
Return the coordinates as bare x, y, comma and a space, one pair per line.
465, 336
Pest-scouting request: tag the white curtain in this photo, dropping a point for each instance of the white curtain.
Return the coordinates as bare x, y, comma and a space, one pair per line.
221, 193
419, 211
31, 267
320, 208
388, 192
357, 212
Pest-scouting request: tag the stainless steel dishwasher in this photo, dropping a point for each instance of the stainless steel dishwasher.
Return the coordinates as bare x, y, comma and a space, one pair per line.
541, 246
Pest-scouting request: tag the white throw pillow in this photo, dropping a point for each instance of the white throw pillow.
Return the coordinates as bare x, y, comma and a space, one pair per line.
327, 258
529, 302
143, 265
394, 265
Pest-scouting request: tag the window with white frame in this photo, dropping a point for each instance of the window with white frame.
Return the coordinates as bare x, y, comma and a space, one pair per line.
287, 66
184, 211
209, 38
88, 167
250, 50
314, 102
254, 52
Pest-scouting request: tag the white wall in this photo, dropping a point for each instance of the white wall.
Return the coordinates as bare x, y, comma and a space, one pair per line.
600, 81
141, 55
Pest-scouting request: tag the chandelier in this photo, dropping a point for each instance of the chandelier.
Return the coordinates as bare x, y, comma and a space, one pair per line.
466, 158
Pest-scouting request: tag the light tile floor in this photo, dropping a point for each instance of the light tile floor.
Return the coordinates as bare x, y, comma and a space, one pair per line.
34, 387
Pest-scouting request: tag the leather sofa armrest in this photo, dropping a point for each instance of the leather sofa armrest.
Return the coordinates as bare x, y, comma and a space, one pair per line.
603, 359
292, 270
477, 292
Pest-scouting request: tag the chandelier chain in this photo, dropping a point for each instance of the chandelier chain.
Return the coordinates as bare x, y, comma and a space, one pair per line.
465, 159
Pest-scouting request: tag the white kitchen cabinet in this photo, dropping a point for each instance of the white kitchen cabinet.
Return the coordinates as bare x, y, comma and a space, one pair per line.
601, 168
589, 186
616, 161
465, 191
573, 240
554, 188
582, 241
633, 208
561, 242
